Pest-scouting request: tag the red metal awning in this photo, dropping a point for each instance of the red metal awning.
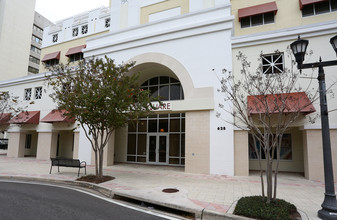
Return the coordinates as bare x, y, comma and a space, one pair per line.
57, 116
309, 2
51, 56
257, 9
28, 117
75, 50
4, 118
291, 102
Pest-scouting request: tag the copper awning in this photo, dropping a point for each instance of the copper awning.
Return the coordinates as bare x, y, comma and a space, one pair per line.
27, 117
257, 9
75, 50
51, 56
291, 102
309, 2
57, 116
4, 118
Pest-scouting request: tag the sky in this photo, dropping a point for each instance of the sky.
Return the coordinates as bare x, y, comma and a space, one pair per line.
60, 9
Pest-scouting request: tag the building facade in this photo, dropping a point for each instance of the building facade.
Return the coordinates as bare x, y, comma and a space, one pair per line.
262, 27
177, 46
20, 38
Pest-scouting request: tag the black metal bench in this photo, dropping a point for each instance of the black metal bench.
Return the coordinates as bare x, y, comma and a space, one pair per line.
66, 162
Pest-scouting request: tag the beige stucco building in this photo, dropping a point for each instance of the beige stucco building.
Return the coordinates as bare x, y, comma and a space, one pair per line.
177, 45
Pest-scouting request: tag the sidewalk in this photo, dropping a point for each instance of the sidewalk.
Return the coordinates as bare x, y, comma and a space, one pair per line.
196, 191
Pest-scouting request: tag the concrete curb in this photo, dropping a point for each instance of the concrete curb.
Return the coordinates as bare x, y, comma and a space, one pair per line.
199, 212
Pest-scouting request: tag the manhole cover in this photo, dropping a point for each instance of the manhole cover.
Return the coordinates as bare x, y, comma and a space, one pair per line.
170, 190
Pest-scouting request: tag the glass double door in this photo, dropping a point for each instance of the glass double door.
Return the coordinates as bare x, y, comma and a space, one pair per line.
157, 148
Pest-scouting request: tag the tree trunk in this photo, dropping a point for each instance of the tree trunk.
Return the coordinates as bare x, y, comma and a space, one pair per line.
100, 165
269, 180
96, 162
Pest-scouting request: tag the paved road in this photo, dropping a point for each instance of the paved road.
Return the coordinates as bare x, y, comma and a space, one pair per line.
32, 201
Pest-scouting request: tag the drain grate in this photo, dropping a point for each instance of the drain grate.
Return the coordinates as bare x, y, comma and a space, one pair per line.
170, 190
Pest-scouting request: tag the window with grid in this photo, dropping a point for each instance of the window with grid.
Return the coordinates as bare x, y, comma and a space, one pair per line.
34, 60
55, 38
32, 70
272, 63
167, 88
256, 20
107, 22
319, 8
28, 94
75, 32
35, 49
84, 29
38, 92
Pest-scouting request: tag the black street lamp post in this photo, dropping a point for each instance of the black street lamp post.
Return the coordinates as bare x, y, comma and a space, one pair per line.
329, 205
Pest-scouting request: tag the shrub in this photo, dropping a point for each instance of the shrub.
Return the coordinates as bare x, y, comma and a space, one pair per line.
256, 207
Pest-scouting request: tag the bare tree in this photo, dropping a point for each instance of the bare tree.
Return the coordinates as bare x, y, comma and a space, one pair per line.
266, 105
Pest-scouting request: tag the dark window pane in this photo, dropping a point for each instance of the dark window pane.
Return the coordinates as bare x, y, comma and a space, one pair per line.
174, 125
269, 18
182, 145
322, 7
175, 92
257, 20
145, 84
182, 161
173, 80
307, 10
131, 159
174, 161
154, 91
164, 80
131, 144
154, 81
142, 127
163, 125
141, 149
174, 115
163, 116
245, 22
132, 126
141, 159
183, 124
164, 93
333, 5
152, 126
174, 145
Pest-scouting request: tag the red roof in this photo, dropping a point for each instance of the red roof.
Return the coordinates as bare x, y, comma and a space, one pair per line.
309, 2
4, 118
290, 102
75, 50
57, 116
28, 117
51, 56
257, 9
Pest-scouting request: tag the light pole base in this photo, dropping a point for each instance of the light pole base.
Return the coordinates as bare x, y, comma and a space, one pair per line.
329, 207
324, 214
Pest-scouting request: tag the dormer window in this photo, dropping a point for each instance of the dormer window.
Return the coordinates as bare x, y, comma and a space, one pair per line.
257, 15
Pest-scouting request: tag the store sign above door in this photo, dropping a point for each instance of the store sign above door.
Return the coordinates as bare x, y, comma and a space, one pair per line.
164, 107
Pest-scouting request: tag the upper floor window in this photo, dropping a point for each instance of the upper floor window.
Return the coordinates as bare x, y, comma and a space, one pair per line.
33, 70
28, 94
37, 29
272, 63
257, 15
36, 39
34, 60
165, 87
35, 49
51, 59
318, 7
55, 38
84, 29
75, 53
107, 22
75, 32
38, 92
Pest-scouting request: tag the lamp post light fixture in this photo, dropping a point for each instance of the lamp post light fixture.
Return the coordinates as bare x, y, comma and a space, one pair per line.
329, 205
